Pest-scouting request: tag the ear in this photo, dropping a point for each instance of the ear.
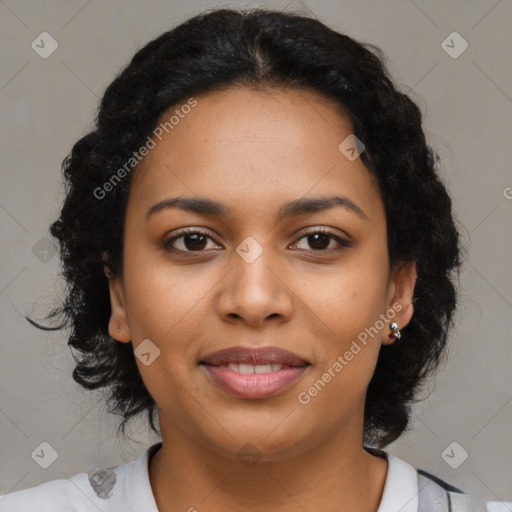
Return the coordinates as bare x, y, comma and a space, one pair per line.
401, 291
118, 324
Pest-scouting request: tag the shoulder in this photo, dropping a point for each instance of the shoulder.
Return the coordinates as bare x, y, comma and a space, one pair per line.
55, 496
437, 494
125, 487
458, 500
410, 489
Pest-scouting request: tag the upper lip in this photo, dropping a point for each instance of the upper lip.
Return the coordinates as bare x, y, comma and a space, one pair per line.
254, 356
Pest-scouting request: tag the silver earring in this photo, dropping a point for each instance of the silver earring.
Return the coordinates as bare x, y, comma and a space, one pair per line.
118, 328
394, 328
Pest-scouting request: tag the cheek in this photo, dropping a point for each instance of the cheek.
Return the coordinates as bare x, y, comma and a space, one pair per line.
350, 300
349, 353
168, 306
350, 304
161, 298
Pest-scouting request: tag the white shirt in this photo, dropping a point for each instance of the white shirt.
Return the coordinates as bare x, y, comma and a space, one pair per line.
131, 491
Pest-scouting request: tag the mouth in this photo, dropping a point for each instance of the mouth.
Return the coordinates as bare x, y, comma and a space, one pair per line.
254, 373
253, 357
248, 369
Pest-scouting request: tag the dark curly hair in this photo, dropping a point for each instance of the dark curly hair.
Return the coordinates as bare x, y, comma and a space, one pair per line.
259, 48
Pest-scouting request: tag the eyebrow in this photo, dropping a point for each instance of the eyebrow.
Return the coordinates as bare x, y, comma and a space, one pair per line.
204, 206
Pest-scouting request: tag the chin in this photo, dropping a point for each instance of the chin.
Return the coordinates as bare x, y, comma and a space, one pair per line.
262, 440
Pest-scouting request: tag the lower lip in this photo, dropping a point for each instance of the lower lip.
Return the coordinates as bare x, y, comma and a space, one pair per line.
254, 385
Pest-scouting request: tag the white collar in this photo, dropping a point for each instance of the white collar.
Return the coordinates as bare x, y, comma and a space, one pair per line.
400, 488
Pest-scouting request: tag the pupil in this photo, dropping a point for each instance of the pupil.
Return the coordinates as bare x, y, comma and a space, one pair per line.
318, 241
316, 244
196, 244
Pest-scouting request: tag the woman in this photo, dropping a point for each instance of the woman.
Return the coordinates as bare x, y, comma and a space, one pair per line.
259, 248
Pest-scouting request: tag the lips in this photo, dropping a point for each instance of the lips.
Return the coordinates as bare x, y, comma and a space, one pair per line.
254, 356
254, 373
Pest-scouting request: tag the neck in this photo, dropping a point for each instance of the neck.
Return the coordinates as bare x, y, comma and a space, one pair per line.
336, 475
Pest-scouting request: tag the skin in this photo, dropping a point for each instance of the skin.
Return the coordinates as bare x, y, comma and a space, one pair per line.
253, 151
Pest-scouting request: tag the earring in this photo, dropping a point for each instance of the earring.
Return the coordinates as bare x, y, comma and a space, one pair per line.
118, 328
394, 328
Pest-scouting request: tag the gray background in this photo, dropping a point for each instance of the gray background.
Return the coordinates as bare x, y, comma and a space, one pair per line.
47, 104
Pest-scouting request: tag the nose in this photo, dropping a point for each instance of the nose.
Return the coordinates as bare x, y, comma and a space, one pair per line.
255, 293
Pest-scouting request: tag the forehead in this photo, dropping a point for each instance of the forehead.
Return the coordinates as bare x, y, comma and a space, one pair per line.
256, 147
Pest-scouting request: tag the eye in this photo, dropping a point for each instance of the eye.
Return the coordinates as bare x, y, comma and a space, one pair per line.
193, 240
320, 239
189, 240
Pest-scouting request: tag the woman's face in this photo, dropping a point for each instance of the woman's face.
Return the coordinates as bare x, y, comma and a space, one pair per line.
258, 274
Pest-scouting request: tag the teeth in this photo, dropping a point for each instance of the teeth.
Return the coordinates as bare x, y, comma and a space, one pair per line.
263, 368
246, 368
251, 368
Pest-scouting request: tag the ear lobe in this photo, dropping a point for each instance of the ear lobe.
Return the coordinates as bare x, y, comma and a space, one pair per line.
403, 282
118, 324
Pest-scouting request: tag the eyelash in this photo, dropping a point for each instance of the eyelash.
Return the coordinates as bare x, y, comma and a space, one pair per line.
193, 231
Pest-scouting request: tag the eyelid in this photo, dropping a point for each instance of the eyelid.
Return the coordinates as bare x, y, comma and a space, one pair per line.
335, 233
189, 230
343, 241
